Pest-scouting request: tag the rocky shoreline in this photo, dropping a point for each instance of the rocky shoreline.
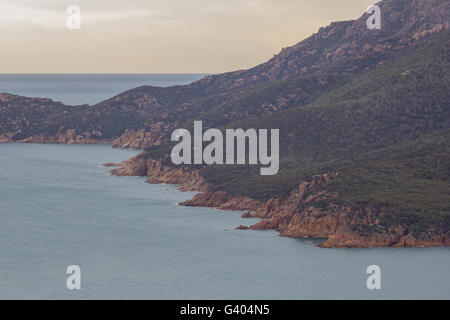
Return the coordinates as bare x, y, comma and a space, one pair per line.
295, 216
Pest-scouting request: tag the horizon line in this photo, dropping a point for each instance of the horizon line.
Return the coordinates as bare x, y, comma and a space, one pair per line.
100, 73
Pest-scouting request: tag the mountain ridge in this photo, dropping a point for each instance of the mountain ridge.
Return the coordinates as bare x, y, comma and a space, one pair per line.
408, 24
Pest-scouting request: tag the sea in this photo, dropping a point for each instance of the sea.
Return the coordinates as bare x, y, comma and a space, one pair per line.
59, 207
77, 89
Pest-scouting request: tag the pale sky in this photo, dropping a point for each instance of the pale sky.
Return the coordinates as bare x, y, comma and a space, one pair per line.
158, 36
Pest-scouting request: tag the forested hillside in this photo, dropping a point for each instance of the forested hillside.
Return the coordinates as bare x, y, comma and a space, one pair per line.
364, 119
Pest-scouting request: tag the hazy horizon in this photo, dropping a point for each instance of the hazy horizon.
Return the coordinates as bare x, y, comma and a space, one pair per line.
86, 88
106, 73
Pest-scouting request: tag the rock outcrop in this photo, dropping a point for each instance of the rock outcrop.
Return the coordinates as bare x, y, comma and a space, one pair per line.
141, 139
223, 201
69, 137
157, 173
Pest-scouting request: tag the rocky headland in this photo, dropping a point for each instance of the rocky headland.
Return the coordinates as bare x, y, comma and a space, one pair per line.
297, 215
365, 139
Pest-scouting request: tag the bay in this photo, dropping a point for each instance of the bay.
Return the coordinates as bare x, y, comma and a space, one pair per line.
60, 207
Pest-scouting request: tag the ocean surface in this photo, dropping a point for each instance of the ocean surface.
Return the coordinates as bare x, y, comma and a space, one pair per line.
76, 89
59, 207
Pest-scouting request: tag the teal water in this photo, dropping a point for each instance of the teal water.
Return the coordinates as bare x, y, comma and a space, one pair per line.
59, 207
77, 89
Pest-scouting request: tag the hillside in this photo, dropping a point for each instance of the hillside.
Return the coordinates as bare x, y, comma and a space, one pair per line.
364, 119
396, 102
364, 164
140, 116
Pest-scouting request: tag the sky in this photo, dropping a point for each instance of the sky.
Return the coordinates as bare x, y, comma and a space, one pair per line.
158, 36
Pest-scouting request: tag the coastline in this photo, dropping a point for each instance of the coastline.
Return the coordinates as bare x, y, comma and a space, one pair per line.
294, 216
85, 216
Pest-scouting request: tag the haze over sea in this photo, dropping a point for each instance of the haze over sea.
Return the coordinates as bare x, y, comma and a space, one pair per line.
76, 89
60, 207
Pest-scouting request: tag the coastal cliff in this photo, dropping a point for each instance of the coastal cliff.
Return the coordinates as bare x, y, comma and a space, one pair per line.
364, 123
140, 139
157, 173
305, 213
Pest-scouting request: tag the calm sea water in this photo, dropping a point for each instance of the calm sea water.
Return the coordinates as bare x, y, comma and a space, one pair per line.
59, 207
75, 89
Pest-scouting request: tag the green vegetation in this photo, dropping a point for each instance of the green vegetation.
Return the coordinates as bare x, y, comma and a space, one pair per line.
411, 180
385, 131
374, 107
